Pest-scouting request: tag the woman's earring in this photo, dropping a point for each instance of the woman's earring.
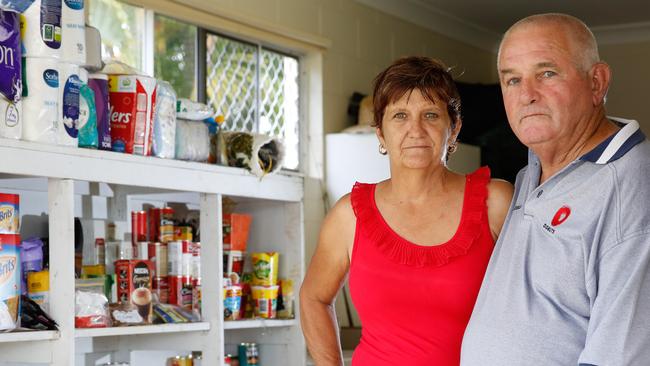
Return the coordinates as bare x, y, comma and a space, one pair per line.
452, 148
382, 150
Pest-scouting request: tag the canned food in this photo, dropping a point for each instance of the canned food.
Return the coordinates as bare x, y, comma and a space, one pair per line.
195, 270
183, 233
196, 295
179, 256
180, 291
157, 254
242, 354
252, 354
142, 250
100, 251
161, 289
161, 224
138, 226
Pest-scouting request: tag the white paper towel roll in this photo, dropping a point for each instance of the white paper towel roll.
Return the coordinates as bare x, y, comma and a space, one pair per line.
11, 125
73, 37
41, 105
41, 29
69, 85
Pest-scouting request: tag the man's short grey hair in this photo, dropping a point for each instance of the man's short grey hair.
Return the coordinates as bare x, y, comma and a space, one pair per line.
585, 48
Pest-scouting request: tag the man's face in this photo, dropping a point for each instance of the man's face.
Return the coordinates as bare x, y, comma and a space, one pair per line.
545, 92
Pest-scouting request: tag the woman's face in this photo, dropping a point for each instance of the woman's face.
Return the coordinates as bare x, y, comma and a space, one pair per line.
417, 132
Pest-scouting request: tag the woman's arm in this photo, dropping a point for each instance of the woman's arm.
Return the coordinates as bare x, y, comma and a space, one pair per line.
498, 202
325, 277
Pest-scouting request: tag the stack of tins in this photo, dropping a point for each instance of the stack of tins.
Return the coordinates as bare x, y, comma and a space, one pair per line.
175, 258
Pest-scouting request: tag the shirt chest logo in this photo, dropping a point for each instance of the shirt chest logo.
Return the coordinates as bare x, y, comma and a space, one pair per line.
561, 215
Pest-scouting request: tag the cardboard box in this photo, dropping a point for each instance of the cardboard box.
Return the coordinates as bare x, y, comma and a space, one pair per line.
235, 231
134, 285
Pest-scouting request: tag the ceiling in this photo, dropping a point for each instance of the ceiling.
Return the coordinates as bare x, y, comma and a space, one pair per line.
481, 22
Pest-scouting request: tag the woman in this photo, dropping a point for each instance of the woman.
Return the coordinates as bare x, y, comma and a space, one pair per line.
416, 245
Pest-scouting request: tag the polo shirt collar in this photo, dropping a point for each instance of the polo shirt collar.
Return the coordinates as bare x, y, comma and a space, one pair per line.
616, 145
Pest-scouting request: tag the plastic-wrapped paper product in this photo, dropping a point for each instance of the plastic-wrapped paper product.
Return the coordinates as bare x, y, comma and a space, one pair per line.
69, 87
193, 111
93, 49
99, 84
41, 105
15, 5
132, 99
87, 118
11, 85
42, 29
115, 67
164, 125
260, 154
192, 140
73, 32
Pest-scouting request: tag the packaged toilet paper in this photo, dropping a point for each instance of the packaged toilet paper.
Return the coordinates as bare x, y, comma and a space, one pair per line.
18, 6
87, 118
41, 29
41, 104
11, 85
73, 34
99, 84
69, 88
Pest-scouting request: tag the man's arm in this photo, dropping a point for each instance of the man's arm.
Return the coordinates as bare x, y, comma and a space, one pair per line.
619, 324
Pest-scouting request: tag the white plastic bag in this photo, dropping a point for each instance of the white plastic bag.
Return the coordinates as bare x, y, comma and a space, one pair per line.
192, 140
164, 121
194, 111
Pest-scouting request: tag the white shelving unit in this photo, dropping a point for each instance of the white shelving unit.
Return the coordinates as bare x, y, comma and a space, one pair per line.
276, 203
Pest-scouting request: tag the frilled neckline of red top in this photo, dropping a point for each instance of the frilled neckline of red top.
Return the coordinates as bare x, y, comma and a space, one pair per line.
402, 251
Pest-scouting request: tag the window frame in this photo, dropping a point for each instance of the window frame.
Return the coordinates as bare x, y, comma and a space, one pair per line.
201, 71
307, 48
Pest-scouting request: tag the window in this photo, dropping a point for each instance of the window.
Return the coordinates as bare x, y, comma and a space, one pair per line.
175, 55
122, 29
255, 88
279, 102
232, 82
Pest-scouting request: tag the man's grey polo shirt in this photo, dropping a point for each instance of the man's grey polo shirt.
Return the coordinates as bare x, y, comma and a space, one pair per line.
569, 280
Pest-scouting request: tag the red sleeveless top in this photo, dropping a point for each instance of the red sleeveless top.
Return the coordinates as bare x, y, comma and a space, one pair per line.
415, 301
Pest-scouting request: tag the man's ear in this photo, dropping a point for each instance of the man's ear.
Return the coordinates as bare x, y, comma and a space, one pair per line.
600, 77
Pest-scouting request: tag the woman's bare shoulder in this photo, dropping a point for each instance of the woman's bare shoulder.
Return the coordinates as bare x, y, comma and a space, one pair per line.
498, 201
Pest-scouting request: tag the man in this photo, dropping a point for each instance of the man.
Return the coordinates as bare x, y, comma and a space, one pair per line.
569, 280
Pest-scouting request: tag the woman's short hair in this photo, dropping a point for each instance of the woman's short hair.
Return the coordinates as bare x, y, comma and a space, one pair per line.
430, 76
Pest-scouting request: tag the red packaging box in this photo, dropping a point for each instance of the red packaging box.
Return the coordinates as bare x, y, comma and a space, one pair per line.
235, 231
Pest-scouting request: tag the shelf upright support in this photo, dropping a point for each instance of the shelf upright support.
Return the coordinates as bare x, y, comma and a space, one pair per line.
212, 306
60, 195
